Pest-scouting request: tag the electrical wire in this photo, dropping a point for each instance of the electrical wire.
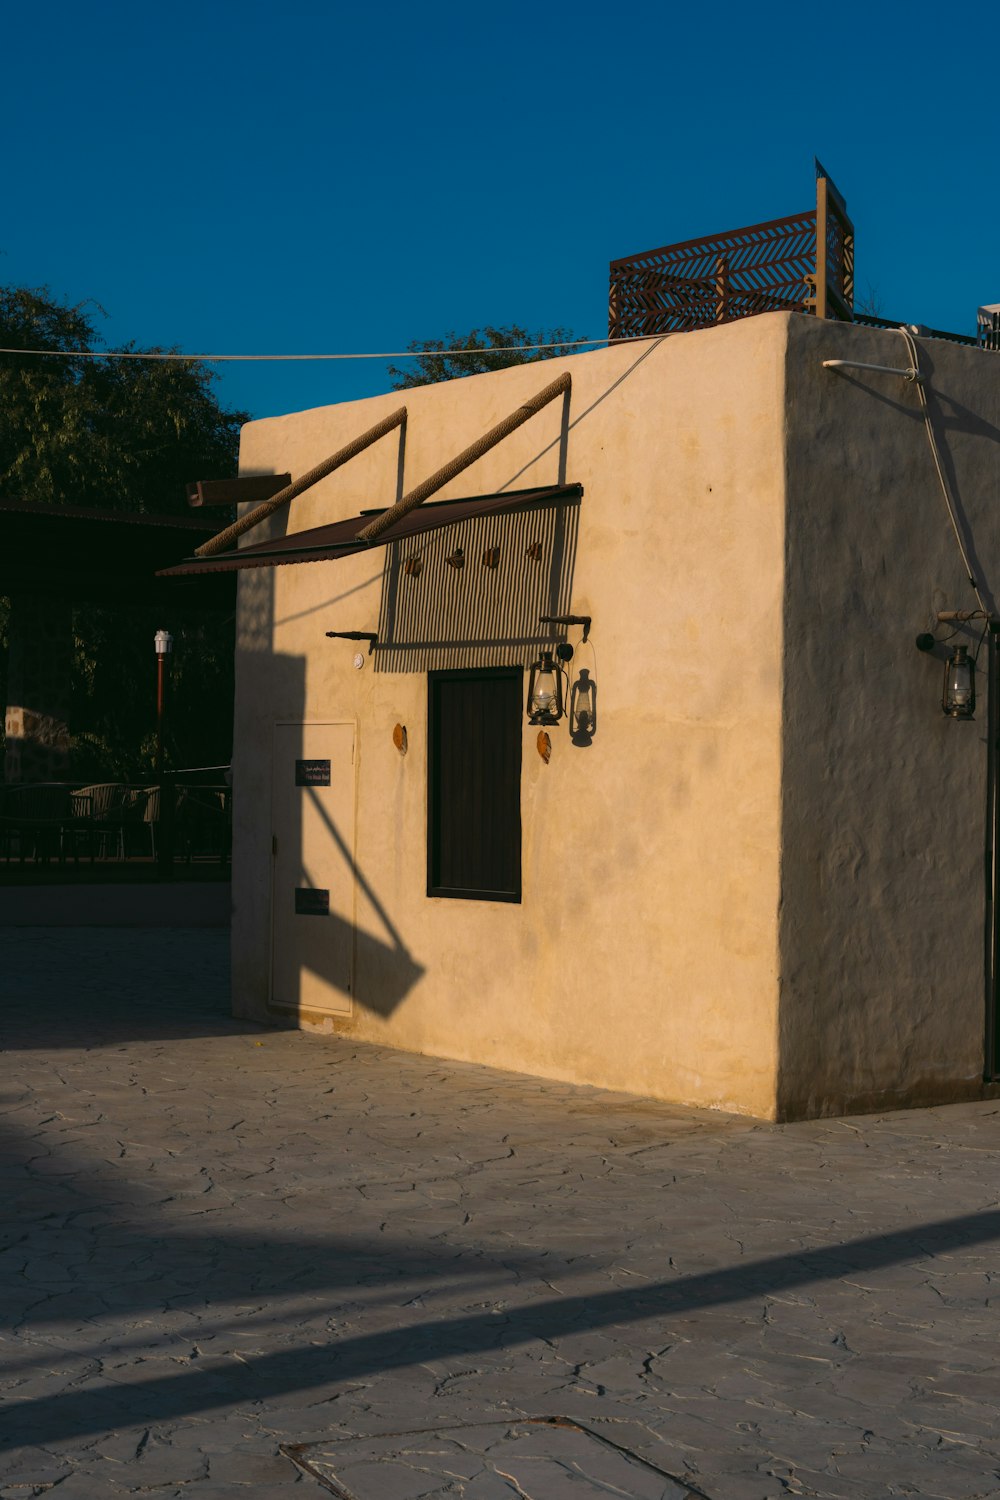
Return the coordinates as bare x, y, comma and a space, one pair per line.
949, 499
391, 354
979, 643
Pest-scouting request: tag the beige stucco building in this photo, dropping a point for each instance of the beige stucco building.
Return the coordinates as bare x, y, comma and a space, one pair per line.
758, 884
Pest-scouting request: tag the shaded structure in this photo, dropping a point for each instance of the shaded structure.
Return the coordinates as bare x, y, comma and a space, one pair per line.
108, 557
53, 558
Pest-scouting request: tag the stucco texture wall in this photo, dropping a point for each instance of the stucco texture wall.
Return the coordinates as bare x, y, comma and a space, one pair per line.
644, 953
883, 807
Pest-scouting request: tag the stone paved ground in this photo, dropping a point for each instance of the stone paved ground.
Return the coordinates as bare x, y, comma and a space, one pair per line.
221, 1239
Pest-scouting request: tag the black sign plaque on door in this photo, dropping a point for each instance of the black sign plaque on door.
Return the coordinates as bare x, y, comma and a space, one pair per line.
312, 773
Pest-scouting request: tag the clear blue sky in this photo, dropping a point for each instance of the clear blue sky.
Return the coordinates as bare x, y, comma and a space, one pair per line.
315, 177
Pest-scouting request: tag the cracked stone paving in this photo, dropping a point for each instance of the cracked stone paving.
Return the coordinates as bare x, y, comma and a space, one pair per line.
234, 1259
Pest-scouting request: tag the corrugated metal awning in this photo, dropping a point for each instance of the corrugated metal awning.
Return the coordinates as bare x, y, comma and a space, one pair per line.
340, 538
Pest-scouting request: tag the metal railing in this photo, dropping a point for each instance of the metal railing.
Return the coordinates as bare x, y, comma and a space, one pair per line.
870, 320
101, 824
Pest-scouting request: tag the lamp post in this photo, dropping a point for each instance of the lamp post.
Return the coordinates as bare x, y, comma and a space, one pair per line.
163, 641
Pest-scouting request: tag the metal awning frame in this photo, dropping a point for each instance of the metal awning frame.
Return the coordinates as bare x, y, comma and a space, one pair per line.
390, 516
265, 554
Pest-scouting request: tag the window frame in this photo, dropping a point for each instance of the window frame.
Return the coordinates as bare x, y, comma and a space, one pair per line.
479, 674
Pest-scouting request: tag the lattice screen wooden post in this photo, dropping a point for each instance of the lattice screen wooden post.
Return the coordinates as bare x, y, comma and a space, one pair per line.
833, 279
721, 269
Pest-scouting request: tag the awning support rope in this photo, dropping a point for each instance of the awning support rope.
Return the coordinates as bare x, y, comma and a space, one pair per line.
482, 445
949, 499
223, 540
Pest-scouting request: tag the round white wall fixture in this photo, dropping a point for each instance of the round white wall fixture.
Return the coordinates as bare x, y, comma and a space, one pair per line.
359, 660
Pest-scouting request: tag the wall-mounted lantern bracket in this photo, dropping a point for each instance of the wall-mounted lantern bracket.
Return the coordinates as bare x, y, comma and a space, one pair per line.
371, 636
584, 620
910, 373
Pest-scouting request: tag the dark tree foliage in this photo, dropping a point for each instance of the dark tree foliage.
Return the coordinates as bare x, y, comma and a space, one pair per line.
118, 435
113, 434
492, 353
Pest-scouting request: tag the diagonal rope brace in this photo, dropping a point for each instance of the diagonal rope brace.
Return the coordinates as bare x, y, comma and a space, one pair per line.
476, 450
949, 499
223, 539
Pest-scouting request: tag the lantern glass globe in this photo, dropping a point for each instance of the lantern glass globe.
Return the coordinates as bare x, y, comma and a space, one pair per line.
959, 697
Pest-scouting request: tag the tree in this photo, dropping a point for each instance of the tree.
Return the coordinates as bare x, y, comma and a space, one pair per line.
114, 435
870, 304
493, 352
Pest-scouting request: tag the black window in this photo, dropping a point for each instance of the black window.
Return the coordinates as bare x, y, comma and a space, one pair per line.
474, 785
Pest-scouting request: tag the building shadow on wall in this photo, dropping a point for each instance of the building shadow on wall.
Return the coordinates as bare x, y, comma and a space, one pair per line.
384, 970
320, 963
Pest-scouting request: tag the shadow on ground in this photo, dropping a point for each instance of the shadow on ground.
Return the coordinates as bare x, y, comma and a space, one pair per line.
135, 984
88, 1245
88, 1262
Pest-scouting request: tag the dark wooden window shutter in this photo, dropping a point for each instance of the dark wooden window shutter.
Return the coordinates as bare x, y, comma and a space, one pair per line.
474, 784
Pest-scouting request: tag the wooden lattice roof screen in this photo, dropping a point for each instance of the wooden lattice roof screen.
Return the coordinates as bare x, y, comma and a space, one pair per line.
803, 263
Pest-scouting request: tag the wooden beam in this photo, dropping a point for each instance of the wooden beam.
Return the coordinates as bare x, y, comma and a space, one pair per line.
225, 538
232, 491
559, 387
822, 247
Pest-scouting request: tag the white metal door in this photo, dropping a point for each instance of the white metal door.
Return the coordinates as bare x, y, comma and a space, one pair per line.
312, 877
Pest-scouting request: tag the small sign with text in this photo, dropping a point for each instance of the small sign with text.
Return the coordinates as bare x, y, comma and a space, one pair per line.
312, 773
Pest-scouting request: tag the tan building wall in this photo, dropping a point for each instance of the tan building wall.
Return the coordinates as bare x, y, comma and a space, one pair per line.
762, 886
644, 952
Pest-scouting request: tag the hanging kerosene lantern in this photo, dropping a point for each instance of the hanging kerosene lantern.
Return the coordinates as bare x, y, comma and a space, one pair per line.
545, 693
958, 699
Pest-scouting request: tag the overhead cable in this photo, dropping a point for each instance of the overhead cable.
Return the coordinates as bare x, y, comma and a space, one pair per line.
392, 354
